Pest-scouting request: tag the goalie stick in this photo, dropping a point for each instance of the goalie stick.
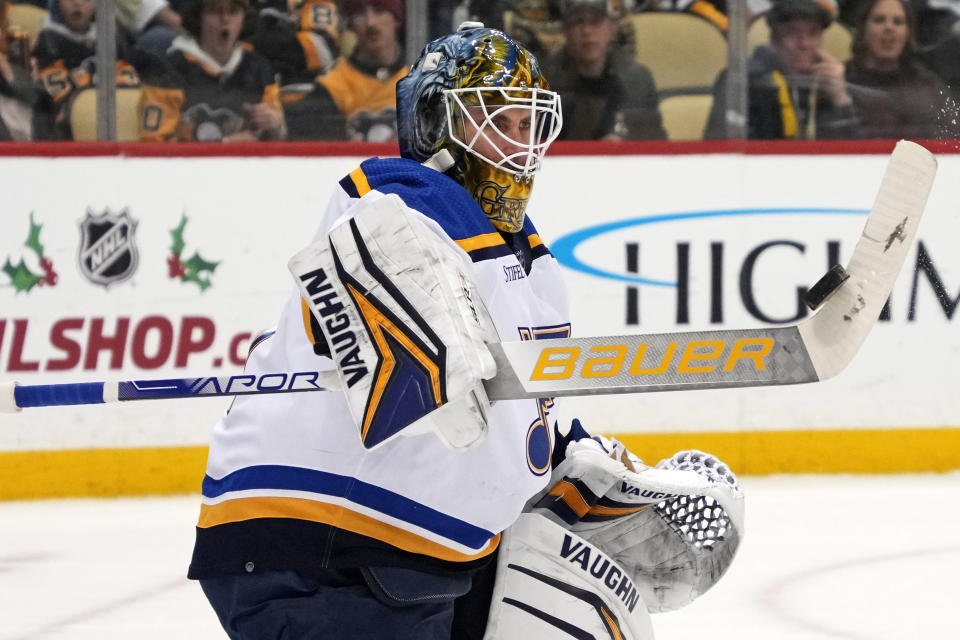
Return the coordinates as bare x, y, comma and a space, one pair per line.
817, 348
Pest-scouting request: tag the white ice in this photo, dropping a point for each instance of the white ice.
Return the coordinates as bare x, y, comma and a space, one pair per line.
854, 557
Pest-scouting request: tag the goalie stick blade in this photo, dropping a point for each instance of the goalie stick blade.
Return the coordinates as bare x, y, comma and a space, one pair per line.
816, 349
834, 334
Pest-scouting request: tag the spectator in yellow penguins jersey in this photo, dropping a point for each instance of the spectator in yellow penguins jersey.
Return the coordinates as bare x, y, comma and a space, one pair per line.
211, 87
714, 11
301, 38
65, 55
357, 99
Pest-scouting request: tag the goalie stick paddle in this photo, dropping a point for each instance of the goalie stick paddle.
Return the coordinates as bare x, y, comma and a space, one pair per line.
817, 348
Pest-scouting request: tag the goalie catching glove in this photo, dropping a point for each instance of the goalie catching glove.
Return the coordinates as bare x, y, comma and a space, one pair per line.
402, 322
675, 527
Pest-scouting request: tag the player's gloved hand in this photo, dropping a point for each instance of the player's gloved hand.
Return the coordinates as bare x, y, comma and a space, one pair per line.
675, 527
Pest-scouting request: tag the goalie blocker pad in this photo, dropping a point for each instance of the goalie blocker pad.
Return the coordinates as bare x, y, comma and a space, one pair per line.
403, 324
551, 583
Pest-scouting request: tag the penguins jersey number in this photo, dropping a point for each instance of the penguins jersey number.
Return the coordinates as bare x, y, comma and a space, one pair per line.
294, 464
193, 98
65, 65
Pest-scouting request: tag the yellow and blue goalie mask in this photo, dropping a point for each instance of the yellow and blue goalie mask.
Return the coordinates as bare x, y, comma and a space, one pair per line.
480, 95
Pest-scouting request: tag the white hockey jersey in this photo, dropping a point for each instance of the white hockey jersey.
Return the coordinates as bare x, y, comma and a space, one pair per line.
290, 485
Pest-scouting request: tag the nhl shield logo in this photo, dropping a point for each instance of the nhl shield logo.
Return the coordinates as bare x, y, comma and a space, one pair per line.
108, 254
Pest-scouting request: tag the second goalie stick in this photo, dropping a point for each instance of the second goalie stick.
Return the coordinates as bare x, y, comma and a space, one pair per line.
817, 348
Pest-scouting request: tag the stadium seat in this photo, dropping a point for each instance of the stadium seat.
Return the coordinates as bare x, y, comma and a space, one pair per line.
684, 52
83, 115
837, 38
685, 116
26, 17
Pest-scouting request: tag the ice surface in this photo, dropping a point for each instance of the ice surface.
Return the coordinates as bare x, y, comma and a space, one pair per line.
857, 557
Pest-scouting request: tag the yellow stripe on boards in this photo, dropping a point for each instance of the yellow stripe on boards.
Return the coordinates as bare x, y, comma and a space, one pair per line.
101, 473
29, 475
811, 451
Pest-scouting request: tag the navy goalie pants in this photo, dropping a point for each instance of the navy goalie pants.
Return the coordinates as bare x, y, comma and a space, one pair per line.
370, 603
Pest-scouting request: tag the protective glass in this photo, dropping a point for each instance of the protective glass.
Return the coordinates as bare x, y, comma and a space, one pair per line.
509, 128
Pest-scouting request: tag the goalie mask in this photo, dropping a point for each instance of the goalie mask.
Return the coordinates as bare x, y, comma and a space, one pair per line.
480, 95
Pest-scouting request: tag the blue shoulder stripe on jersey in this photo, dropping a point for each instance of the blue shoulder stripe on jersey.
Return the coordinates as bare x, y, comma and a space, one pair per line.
441, 199
430, 192
362, 493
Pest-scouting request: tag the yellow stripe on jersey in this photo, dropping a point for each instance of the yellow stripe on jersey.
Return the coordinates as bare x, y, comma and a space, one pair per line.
615, 511
271, 96
709, 12
612, 624
534, 240
159, 113
480, 242
242, 509
310, 52
360, 181
378, 323
788, 113
571, 496
305, 312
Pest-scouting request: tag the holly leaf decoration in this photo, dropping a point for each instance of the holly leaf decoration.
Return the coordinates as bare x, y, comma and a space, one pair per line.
33, 238
198, 271
177, 234
21, 278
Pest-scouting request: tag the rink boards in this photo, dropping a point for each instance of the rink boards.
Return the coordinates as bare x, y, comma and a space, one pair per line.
146, 267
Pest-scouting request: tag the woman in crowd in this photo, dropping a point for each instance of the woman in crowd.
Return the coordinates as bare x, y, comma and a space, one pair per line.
894, 94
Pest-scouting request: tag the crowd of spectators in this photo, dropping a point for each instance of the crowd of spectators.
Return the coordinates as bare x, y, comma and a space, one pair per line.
228, 70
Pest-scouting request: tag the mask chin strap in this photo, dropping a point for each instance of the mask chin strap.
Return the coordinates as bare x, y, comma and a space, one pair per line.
440, 161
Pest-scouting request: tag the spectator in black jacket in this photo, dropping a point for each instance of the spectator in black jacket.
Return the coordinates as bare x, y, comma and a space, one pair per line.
605, 94
795, 88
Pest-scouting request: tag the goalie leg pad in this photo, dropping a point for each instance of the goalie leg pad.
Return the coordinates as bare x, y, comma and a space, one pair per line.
403, 323
551, 583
